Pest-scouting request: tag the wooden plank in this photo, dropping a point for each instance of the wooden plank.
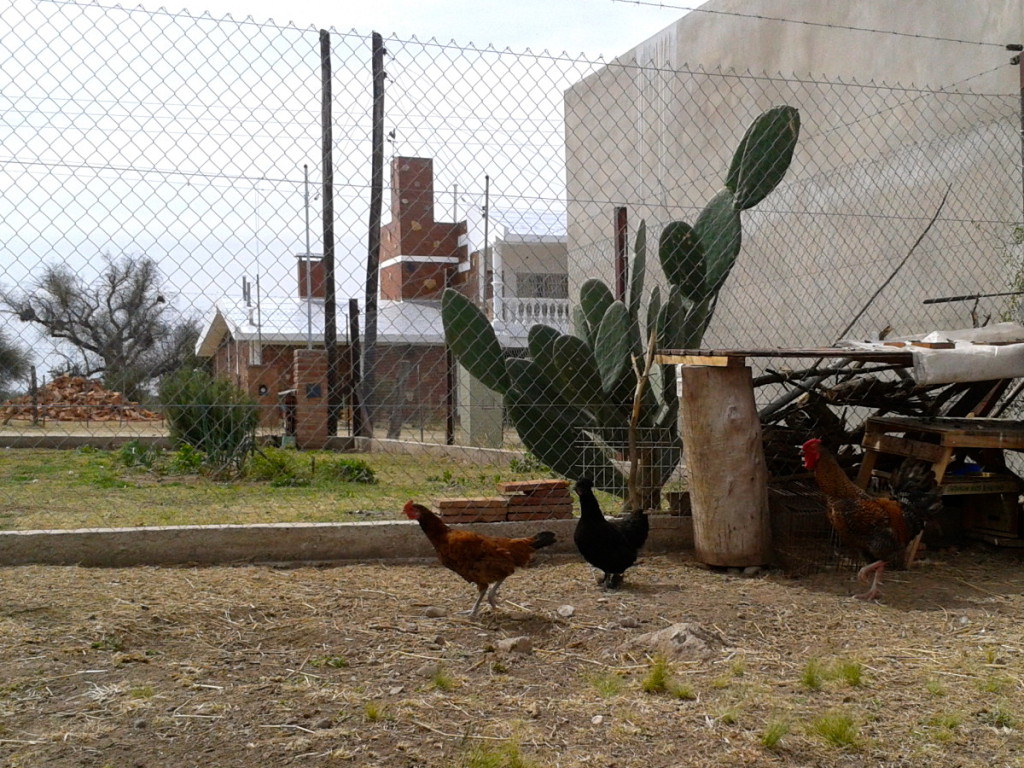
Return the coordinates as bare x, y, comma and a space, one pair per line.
471, 516
901, 446
715, 361
965, 485
495, 502
934, 344
1008, 441
555, 496
546, 508
520, 516
974, 427
891, 355
517, 486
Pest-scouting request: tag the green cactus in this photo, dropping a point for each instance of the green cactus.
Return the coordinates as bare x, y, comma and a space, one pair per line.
572, 401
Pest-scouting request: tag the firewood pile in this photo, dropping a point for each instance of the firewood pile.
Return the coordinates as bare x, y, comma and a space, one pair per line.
74, 398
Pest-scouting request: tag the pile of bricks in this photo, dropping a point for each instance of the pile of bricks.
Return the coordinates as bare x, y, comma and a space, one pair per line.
520, 500
74, 398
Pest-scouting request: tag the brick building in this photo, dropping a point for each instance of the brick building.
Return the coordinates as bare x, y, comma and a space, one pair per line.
273, 348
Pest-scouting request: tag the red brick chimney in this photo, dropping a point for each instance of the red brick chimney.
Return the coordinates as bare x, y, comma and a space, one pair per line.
315, 268
417, 253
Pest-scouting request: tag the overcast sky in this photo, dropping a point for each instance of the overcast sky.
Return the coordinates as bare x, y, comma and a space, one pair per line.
594, 27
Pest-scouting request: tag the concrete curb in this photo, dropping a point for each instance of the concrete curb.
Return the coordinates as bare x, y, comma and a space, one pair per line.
280, 542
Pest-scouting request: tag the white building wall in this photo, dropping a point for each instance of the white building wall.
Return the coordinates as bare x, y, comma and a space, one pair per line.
872, 164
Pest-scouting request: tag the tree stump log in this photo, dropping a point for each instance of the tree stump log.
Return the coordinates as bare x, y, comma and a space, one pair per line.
725, 465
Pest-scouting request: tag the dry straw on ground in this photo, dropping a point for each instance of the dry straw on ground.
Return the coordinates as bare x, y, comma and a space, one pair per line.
342, 666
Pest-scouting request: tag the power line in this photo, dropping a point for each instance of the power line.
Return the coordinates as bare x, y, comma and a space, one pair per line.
762, 17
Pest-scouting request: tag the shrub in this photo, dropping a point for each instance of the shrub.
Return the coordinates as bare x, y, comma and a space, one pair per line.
211, 415
187, 460
350, 470
278, 467
135, 454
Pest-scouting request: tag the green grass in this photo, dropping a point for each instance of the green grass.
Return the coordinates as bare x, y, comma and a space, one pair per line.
657, 679
108, 643
943, 724
837, 729
505, 755
88, 488
851, 672
443, 680
607, 684
813, 676
999, 717
682, 691
729, 716
773, 733
995, 684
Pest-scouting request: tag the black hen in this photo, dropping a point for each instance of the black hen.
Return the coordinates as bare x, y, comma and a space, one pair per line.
611, 546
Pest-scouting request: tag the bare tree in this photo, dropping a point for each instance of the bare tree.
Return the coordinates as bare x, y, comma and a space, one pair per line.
120, 326
15, 362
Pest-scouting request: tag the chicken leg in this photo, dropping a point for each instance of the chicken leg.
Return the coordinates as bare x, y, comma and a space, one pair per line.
493, 594
476, 606
874, 569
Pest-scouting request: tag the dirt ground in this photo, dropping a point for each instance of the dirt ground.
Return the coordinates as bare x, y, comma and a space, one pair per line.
349, 665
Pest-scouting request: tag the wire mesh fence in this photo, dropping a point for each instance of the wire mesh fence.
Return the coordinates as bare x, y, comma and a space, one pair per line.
164, 189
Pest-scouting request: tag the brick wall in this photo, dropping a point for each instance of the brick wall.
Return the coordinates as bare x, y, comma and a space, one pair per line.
423, 397
409, 280
310, 383
316, 278
261, 382
264, 382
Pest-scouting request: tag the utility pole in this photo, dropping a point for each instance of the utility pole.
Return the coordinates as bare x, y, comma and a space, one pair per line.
330, 307
368, 381
621, 252
1016, 60
482, 259
309, 264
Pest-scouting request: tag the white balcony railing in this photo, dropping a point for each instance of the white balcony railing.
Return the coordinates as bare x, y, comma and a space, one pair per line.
527, 312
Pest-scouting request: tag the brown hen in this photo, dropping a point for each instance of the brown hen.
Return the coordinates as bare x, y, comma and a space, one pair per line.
879, 528
479, 559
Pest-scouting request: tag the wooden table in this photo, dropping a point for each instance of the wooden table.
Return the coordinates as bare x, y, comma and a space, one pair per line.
936, 440
996, 520
731, 357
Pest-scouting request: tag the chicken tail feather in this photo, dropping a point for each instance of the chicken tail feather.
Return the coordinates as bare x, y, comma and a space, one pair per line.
913, 485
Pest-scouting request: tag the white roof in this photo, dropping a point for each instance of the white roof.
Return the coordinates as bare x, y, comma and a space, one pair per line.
530, 222
287, 321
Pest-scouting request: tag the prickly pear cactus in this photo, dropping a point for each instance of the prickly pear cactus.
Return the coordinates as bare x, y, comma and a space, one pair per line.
574, 400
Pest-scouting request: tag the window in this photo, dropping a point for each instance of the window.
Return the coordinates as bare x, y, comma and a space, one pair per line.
542, 286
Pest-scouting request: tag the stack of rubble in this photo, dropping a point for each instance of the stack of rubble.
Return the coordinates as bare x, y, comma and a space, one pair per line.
520, 500
75, 398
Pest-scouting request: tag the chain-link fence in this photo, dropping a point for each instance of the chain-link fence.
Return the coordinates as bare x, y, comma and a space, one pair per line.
164, 190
